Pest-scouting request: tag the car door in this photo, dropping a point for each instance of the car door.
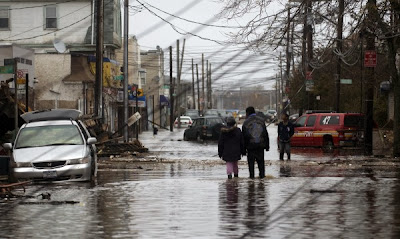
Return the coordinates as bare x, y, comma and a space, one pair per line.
299, 131
310, 136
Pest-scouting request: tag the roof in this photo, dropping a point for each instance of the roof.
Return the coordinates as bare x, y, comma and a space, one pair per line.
52, 114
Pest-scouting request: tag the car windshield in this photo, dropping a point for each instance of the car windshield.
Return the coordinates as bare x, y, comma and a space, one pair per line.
48, 136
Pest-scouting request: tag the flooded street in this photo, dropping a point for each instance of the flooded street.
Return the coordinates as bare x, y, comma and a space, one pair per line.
180, 191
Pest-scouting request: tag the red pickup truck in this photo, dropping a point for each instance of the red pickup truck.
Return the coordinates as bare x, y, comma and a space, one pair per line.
328, 130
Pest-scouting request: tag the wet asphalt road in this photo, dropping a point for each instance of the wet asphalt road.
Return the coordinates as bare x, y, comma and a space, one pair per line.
187, 195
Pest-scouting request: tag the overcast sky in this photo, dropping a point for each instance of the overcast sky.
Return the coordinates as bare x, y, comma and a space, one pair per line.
152, 31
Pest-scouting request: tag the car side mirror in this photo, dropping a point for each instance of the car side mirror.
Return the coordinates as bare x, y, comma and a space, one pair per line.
91, 140
7, 146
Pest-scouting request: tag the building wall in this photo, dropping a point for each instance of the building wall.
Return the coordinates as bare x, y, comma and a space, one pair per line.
153, 62
27, 21
50, 91
134, 62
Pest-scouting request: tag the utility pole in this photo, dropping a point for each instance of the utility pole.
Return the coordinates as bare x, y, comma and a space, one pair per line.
339, 46
288, 52
281, 85
198, 88
126, 35
180, 63
372, 17
178, 79
98, 92
304, 58
277, 93
202, 79
309, 42
16, 115
193, 91
208, 86
171, 93
210, 83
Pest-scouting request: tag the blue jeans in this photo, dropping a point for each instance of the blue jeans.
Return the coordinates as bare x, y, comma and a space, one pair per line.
284, 147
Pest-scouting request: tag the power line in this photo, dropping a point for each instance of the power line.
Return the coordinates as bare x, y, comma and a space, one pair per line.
191, 21
176, 29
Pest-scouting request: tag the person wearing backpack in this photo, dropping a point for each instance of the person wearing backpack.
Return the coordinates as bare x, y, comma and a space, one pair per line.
231, 147
256, 140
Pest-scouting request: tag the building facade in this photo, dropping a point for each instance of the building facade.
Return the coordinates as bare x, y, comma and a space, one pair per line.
61, 34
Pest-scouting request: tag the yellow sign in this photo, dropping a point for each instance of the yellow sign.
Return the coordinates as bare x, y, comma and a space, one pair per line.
110, 71
140, 92
21, 81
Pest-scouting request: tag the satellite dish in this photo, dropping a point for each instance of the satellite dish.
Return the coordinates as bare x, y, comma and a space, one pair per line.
59, 46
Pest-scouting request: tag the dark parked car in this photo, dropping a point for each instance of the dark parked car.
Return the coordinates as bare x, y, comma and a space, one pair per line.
207, 127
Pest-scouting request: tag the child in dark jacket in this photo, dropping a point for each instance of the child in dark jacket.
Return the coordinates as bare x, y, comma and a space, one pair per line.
231, 147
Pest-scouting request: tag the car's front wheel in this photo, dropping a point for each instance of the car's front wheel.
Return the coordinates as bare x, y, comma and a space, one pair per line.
185, 137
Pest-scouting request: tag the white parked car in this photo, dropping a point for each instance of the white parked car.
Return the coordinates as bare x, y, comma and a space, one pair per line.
53, 145
186, 121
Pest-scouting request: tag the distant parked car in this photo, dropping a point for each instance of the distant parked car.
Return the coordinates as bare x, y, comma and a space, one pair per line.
207, 127
53, 145
193, 114
242, 115
186, 121
224, 114
211, 112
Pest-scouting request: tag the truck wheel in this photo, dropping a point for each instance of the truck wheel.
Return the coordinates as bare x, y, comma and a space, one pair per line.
328, 146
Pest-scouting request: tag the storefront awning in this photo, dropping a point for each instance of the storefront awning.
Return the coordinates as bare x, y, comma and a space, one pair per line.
164, 100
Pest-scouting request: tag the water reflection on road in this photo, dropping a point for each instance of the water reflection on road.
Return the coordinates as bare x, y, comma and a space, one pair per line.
177, 201
191, 198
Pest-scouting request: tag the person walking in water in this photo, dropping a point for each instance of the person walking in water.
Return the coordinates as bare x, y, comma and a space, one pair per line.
256, 140
231, 147
285, 133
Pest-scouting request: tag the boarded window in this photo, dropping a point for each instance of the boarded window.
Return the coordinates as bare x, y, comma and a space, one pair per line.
51, 17
4, 17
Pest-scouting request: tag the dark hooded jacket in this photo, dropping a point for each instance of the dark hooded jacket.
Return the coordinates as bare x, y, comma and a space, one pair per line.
231, 144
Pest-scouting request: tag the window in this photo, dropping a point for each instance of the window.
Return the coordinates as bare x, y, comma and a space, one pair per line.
301, 121
329, 120
49, 135
354, 121
4, 18
51, 17
311, 120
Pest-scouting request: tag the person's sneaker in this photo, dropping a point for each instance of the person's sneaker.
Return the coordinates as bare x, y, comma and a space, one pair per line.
236, 175
229, 176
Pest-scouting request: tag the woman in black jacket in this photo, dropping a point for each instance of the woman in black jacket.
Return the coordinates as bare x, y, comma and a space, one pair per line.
231, 147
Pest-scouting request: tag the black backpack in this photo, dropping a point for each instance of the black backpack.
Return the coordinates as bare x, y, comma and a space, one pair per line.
255, 132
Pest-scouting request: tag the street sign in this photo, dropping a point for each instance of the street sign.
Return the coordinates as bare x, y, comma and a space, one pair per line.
6, 69
346, 81
370, 59
309, 85
135, 117
21, 81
